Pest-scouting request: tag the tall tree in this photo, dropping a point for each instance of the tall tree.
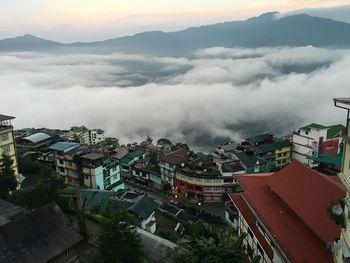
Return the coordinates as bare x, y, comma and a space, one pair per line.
119, 241
8, 181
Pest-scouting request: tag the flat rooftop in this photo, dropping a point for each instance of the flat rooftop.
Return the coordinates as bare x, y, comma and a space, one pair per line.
345, 101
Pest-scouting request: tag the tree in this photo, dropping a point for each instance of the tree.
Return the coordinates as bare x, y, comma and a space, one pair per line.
8, 181
119, 241
208, 247
47, 190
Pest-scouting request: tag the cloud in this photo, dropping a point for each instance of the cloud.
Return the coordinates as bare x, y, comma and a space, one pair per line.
218, 94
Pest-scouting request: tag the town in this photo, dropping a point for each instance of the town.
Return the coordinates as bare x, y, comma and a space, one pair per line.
285, 199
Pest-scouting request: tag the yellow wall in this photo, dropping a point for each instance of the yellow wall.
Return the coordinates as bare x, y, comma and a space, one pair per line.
7, 142
283, 156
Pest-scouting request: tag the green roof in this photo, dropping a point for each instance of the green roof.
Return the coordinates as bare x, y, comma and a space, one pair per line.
332, 132
131, 155
314, 126
324, 158
247, 160
282, 144
144, 207
335, 131
93, 197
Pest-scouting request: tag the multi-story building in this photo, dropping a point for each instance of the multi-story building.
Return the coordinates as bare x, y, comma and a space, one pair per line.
285, 214
314, 139
7, 141
66, 161
341, 247
274, 153
92, 137
79, 167
130, 158
199, 182
101, 172
169, 162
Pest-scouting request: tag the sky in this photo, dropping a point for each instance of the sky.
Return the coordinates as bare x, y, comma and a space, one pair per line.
89, 20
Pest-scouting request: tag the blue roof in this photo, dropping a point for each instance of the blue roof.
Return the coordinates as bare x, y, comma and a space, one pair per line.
64, 146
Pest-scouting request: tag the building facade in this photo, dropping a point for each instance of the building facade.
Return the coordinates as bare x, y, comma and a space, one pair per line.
341, 247
284, 214
92, 137
315, 139
7, 142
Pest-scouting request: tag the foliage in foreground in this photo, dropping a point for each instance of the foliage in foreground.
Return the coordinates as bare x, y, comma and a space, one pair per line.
8, 180
206, 245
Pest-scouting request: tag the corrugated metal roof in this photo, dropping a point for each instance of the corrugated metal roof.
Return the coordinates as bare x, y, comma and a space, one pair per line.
37, 137
5, 117
64, 146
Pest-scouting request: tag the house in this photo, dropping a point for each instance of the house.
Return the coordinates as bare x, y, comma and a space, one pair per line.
285, 214
7, 141
93, 198
129, 159
144, 209
169, 162
341, 247
314, 139
10, 212
101, 172
44, 235
66, 161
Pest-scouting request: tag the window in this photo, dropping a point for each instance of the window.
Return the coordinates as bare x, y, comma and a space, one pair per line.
4, 136
6, 149
66, 253
61, 170
61, 161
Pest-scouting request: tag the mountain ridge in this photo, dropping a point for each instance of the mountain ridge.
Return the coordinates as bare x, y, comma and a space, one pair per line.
265, 30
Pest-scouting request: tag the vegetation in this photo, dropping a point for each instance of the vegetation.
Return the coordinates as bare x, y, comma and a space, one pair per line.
204, 244
8, 180
119, 241
47, 190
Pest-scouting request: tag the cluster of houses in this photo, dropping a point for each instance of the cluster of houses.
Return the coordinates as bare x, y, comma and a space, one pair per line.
277, 189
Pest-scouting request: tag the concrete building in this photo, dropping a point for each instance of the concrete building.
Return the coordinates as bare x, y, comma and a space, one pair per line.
169, 162
314, 139
67, 167
341, 247
7, 142
129, 159
92, 137
285, 216
101, 172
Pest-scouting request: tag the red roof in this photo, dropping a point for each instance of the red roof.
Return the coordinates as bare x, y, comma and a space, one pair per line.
177, 157
292, 204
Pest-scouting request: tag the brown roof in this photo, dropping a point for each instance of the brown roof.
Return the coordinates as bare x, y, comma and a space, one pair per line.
177, 157
292, 204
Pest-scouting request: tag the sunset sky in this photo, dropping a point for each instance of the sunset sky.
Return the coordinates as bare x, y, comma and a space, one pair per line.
87, 20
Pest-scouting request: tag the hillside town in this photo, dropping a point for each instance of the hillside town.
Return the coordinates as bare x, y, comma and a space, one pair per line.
287, 197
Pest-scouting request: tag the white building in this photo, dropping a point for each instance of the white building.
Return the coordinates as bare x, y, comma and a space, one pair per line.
92, 137
315, 139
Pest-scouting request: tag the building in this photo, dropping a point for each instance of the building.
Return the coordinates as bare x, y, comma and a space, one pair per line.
285, 214
35, 142
341, 247
7, 142
129, 159
275, 153
169, 162
144, 209
44, 235
314, 139
101, 172
92, 137
199, 182
67, 166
